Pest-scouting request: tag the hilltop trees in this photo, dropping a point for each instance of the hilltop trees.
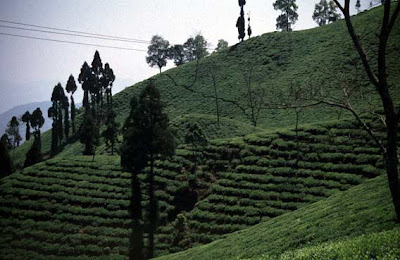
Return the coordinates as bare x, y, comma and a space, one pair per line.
13, 132
158, 52
107, 81
147, 136
177, 54
288, 15
26, 118
86, 79
71, 88
325, 12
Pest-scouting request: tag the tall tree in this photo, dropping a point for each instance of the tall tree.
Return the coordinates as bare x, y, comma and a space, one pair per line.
107, 81
56, 113
37, 121
249, 30
240, 23
222, 45
325, 12
66, 117
13, 131
7, 166
378, 75
97, 89
158, 52
288, 15
71, 88
147, 136
26, 118
86, 79
34, 155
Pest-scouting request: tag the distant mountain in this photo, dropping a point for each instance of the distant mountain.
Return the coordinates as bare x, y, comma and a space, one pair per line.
18, 111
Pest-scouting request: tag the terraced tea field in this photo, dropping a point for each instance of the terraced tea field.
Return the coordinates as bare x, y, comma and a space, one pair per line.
75, 207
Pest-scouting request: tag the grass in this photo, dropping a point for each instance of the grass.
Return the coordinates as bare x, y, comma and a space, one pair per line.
363, 209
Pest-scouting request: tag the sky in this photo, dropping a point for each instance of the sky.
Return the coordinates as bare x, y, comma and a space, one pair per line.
29, 68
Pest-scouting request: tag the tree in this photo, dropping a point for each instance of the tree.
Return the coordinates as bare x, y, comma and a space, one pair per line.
177, 54
189, 50
325, 12
288, 15
97, 88
110, 134
200, 45
107, 81
71, 88
222, 45
7, 166
56, 113
158, 52
377, 73
34, 154
37, 121
240, 24
89, 133
86, 79
66, 117
13, 131
26, 118
147, 136
195, 48
249, 31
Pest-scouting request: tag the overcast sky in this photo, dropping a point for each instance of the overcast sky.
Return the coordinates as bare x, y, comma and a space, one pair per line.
30, 68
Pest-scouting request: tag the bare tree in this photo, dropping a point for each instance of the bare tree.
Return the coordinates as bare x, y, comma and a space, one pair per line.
378, 77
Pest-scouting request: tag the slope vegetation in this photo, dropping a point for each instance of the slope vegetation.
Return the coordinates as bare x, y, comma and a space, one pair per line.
361, 210
74, 207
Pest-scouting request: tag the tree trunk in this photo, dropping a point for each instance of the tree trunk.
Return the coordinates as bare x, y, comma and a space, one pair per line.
152, 209
135, 210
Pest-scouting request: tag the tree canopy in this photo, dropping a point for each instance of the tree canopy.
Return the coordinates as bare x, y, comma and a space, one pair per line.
158, 52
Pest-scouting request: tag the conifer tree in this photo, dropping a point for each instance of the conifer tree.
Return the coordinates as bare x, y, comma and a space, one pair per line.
26, 118
89, 133
37, 121
86, 79
240, 24
110, 134
7, 166
107, 81
56, 113
71, 88
147, 136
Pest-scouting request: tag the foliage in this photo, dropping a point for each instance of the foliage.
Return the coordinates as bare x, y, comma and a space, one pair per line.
71, 88
34, 154
110, 133
7, 166
89, 134
158, 52
26, 118
325, 12
289, 15
13, 132
57, 112
222, 45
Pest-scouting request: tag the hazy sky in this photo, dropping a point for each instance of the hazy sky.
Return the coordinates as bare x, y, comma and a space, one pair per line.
29, 68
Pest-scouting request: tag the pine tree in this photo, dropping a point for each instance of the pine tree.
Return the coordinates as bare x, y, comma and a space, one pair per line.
37, 121
7, 166
56, 113
71, 88
147, 136
240, 23
86, 79
26, 118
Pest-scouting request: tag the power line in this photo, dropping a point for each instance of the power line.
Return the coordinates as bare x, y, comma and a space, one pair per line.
72, 31
69, 34
71, 42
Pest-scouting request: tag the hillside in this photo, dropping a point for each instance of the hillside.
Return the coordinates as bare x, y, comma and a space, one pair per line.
267, 191
361, 210
72, 206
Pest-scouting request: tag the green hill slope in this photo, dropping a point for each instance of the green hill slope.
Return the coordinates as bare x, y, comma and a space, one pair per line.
72, 206
278, 60
363, 209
